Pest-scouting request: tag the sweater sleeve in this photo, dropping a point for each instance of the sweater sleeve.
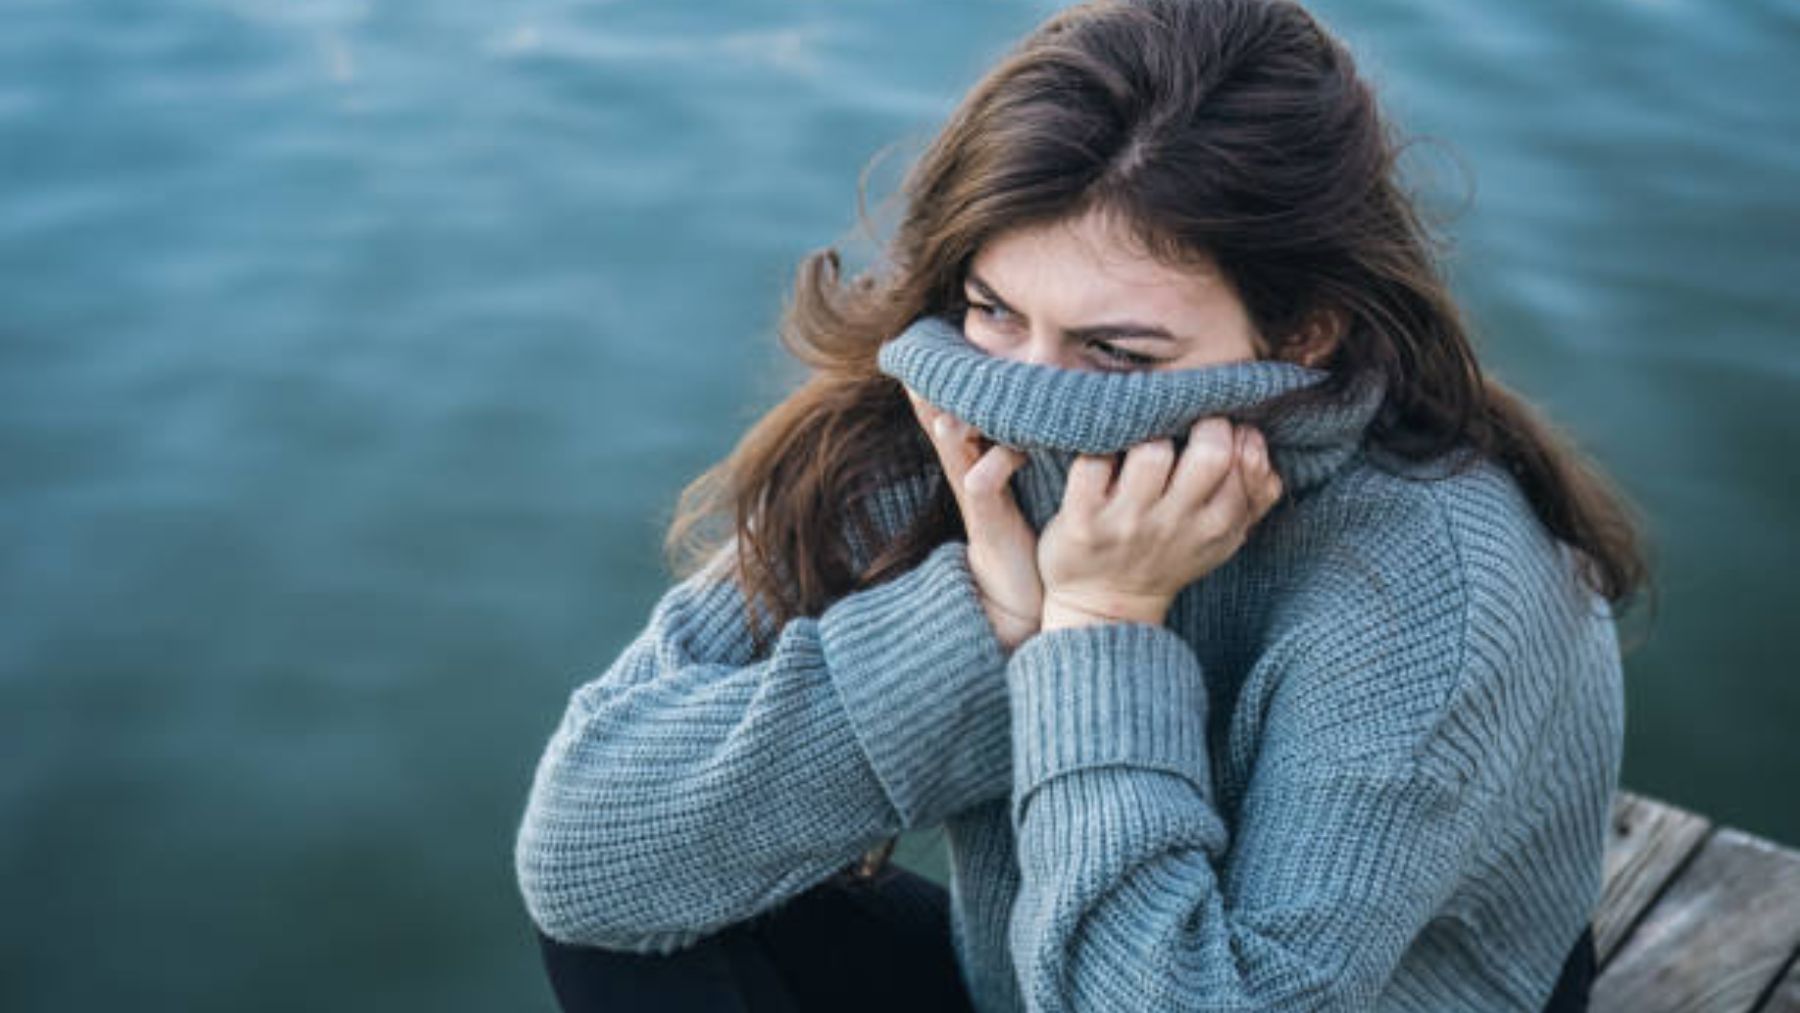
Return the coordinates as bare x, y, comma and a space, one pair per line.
689, 787
1136, 894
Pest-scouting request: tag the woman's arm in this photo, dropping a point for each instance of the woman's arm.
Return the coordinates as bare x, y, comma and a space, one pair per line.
1354, 829
688, 787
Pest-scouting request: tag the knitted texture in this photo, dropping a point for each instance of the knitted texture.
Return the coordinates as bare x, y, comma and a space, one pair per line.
1364, 764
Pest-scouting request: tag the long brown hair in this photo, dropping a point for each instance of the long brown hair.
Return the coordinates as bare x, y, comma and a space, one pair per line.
1238, 129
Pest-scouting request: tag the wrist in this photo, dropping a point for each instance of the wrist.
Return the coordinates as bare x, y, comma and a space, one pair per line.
1061, 612
1010, 628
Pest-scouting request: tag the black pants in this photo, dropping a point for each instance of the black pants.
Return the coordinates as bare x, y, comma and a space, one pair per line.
874, 946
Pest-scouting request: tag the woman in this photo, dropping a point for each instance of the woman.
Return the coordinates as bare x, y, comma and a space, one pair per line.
1147, 523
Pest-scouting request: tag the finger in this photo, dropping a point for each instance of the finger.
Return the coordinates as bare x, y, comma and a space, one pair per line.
1145, 474
955, 441
1260, 477
987, 498
990, 471
1086, 488
939, 432
1203, 464
959, 446
1228, 509
1247, 474
926, 412
920, 406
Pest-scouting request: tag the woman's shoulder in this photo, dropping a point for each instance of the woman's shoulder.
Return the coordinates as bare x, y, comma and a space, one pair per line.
1461, 523
1432, 595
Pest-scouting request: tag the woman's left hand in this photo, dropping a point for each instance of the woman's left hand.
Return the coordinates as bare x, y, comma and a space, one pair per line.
1123, 554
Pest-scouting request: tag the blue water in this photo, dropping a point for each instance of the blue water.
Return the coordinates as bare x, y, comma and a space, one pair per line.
351, 356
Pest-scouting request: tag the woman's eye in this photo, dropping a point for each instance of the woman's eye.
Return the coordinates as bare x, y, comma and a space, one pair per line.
989, 310
1110, 355
1121, 356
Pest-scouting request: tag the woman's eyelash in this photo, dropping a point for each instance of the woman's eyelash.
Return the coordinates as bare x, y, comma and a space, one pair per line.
985, 308
1110, 352
1121, 355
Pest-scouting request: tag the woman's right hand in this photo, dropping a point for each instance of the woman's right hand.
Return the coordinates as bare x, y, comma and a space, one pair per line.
1002, 545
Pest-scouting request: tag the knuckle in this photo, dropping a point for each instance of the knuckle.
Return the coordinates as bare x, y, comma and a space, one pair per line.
1212, 525
1163, 449
1211, 427
1123, 527
1210, 455
1106, 526
1161, 528
1087, 471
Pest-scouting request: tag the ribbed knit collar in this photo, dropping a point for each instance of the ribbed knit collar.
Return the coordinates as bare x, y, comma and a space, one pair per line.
1053, 413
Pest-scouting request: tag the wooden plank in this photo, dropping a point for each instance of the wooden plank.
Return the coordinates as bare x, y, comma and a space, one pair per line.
1649, 841
1786, 996
1716, 938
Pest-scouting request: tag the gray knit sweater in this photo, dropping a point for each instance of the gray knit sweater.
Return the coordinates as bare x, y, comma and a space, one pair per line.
1365, 764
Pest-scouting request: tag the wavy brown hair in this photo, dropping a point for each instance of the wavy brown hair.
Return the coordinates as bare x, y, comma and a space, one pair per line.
1235, 129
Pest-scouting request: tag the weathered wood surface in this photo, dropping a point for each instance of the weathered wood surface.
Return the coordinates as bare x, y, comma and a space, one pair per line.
1695, 917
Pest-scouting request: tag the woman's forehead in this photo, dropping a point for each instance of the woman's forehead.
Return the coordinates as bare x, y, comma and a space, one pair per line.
1085, 271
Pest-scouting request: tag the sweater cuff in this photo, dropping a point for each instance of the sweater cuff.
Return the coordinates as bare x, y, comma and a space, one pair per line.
922, 676
1110, 694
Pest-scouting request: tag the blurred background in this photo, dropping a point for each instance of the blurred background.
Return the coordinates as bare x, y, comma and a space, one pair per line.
351, 356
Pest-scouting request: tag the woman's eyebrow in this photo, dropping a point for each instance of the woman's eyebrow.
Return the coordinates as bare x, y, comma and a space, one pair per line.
1122, 329
987, 291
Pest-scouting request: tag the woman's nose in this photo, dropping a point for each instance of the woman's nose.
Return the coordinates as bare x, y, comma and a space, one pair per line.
1045, 350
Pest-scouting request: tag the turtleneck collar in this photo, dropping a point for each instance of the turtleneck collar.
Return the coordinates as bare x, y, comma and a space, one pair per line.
1053, 413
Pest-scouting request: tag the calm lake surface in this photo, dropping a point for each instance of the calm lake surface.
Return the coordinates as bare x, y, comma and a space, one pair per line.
352, 354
